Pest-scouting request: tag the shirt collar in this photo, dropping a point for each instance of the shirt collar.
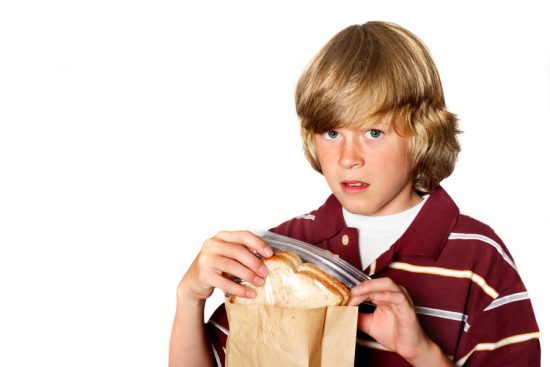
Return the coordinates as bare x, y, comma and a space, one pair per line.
426, 235
329, 220
429, 231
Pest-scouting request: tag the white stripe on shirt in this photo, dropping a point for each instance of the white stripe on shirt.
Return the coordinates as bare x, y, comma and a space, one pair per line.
507, 299
219, 327
306, 216
218, 361
444, 314
473, 236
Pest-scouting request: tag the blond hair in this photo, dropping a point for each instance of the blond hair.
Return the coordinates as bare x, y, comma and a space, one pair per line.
373, 71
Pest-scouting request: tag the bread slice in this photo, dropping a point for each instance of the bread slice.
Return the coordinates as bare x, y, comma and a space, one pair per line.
294, 284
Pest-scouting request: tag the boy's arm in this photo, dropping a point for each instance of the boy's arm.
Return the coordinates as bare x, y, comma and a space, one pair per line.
189, 345
222, 258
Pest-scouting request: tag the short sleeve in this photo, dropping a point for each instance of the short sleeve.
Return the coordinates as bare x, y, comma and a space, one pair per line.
504, 333
217, 330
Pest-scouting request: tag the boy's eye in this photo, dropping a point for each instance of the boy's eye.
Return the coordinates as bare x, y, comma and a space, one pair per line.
332, 134
373, 134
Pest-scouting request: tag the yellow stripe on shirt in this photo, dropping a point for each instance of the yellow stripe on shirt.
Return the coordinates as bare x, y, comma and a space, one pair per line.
465, 274
372, 268
501, 343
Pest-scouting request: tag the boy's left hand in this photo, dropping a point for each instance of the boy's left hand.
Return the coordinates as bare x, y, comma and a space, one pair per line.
394, 323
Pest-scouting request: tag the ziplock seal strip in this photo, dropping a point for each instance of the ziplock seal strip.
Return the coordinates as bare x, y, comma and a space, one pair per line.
335, 266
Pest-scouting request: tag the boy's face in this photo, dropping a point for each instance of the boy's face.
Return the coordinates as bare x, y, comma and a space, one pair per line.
368, 171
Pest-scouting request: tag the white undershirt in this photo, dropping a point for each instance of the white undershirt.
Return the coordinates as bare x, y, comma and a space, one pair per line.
378, 233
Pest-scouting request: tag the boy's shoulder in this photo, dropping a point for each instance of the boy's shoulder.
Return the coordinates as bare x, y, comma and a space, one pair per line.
468, 224
481, 250
469, 228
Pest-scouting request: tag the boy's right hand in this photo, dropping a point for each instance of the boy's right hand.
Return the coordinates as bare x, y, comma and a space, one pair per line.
222, 258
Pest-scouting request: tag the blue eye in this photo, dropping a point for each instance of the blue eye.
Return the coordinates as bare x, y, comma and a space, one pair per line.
373, 134
331, 134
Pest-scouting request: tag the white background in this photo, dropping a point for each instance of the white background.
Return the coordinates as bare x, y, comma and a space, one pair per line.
131, 131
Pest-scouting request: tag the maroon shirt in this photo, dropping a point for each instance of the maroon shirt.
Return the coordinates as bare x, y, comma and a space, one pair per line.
466, 289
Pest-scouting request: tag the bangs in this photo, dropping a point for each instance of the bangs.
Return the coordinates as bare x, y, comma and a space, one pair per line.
360, 77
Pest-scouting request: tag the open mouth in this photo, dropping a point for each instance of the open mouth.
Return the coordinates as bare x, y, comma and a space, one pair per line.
351, 185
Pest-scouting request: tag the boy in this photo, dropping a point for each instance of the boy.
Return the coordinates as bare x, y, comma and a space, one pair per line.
374, 123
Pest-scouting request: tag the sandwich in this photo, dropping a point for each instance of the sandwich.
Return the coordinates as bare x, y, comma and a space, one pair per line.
292, 283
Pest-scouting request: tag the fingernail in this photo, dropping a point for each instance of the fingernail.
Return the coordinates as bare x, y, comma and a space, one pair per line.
268, 252
264, 270
250, 294
258, 281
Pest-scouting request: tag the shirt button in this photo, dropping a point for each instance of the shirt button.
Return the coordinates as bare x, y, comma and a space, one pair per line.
345, 240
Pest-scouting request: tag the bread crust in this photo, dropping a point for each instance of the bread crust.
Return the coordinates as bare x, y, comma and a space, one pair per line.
292, 283
327, 280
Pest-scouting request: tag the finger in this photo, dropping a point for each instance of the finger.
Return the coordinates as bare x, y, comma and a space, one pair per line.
406, 293
236, 269
399, 300
356, 301
375, 285
240, 254
230, 287
248, 239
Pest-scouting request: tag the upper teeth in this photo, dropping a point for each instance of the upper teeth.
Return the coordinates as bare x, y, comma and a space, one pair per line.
355, 184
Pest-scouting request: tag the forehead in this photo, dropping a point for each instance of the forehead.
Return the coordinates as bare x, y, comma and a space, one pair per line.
370, 123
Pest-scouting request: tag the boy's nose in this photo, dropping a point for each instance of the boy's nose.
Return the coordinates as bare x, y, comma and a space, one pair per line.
350, 155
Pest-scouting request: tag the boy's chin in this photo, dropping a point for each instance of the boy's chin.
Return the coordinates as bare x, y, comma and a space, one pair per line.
367, 208
357, 208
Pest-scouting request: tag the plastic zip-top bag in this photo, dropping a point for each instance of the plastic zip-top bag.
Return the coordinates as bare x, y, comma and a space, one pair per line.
340, 269
302, 275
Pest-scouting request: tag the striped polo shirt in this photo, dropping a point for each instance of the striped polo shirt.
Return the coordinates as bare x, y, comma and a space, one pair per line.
466, 289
